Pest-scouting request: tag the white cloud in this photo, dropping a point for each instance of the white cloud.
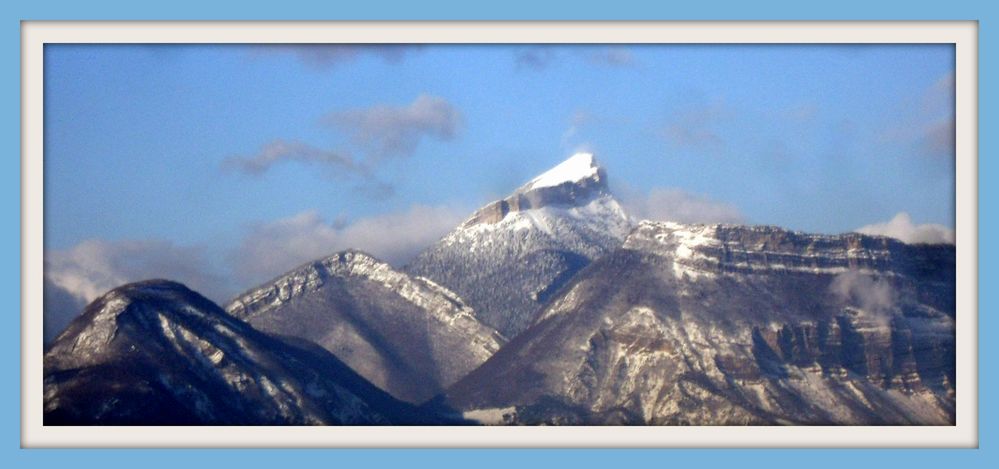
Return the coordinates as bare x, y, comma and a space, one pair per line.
78, 275
902, 228
93, 267
397, 131
875, 297
276, 247
60, 307
677, 205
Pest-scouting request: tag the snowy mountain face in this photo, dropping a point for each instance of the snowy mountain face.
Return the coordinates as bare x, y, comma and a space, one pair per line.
612, 322
407, 335
156, 353
721, 325
512, 255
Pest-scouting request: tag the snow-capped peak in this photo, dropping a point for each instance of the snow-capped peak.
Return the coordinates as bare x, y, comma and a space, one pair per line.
575, 182
577, 168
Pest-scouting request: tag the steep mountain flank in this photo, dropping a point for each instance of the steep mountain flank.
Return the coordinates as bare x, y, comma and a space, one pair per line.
722, 325
405, 334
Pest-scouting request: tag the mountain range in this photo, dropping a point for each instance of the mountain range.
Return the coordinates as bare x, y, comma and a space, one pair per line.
730, 325
550, 306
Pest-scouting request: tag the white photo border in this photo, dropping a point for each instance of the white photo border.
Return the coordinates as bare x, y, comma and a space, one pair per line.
963, 34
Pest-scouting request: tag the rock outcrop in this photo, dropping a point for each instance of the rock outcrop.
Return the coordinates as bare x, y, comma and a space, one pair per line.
732, 325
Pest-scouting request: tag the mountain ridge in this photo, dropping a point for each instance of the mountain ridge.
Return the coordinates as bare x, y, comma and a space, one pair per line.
406, 334
155, 352
744, 325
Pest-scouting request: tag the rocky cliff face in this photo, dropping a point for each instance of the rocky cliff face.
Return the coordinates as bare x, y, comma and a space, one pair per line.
714, 324
510, 256
156, 353
406, 334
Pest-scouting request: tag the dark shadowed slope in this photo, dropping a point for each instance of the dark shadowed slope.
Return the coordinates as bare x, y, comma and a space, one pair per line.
405, 334
157, 353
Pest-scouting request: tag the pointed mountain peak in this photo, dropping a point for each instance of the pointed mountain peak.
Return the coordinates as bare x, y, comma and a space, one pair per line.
141, 307
578, 167
574, 182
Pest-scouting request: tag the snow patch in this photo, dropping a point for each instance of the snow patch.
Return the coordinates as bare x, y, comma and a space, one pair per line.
601, 215
578, 167
102, 329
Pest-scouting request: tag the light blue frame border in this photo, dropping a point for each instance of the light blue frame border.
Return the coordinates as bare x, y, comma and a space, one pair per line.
12, 456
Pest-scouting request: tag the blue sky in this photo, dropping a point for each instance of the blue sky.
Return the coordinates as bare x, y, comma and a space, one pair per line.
214, 155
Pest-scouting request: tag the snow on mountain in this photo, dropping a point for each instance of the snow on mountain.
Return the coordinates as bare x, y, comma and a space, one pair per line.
513, 254
408, 335
577, 168
734, 325
156, 353
610, 322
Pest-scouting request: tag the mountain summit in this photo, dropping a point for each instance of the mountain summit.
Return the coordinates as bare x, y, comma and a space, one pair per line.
157, 353
513, 254
578, 168
574, 182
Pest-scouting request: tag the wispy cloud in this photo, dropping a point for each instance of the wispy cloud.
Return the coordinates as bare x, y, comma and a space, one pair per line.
902, 228
677, 205
875, 297
386, 131
614, 56
577, 121
697, 136
940, 96
378, 132
76, 276
696, 127
271, 248
278, 151
327, 56
541, 57
928, 122
335, 164
534, 57
939, 138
